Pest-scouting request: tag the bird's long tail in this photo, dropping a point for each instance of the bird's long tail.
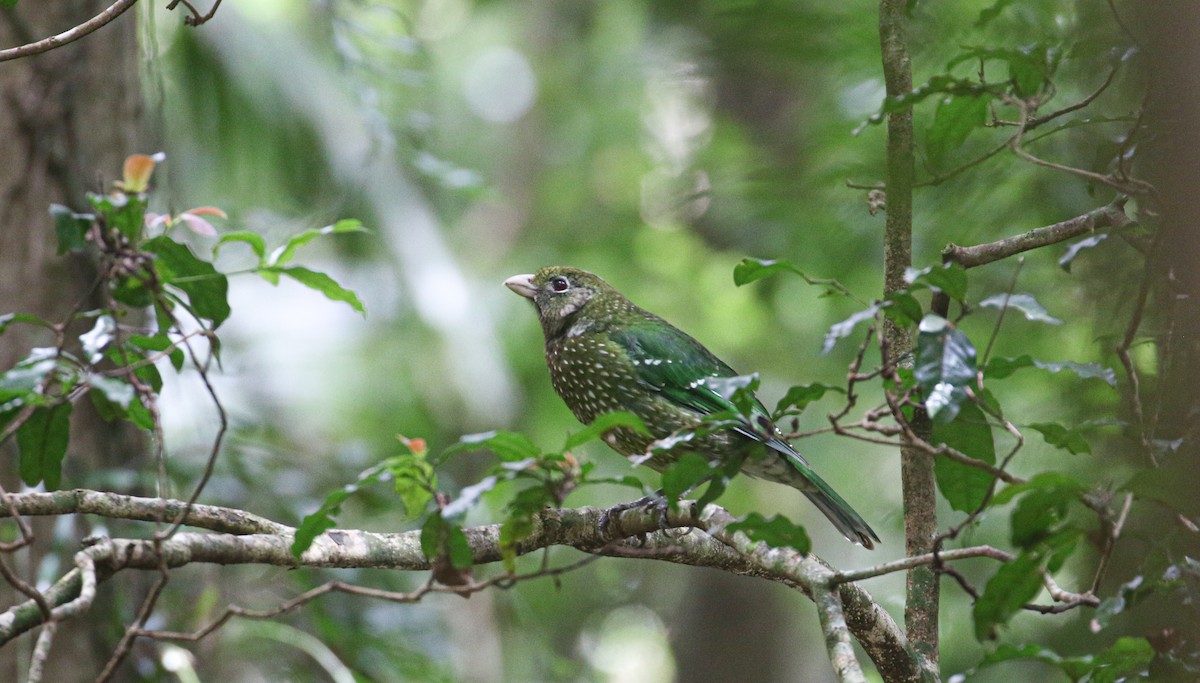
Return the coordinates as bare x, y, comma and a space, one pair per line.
840, 513
847, 521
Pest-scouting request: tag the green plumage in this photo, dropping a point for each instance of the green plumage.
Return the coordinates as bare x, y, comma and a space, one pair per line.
605, 354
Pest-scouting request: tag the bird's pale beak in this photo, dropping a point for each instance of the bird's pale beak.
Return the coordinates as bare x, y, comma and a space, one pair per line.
522, 284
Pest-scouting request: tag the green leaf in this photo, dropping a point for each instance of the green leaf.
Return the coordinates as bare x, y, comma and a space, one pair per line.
945, 366
150, 375
285, 253
1108, 609
132, 291
325, 285
723, 473
1015, 583
956, 117
94, 340
1024, 303
124, 212
518, 525
1007, 652
603, 423
1040, 481
159, 342
42, 442
903, 307
1126, 658
799, 396
738, 390
70, 227
431, 536
776, 531
949, 278
315, 524
440, 538
457, 547
206, 289
8, 3
27, 318
963, 486
987, 14
468, 497
30, 372
752, 269
322, 519
1030, 68
683, 475
941, 83
114, 390
1037, 514
508, 446
1060, 437
999, 368
140, 415
1173, 485
846, 327
415, 481
1086, 243
255, 240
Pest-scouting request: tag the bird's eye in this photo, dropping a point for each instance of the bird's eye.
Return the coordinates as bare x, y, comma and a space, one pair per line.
560, 284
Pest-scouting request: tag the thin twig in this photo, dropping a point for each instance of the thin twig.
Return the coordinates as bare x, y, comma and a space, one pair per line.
907, 563
121, 651
1110, 542
1034, 123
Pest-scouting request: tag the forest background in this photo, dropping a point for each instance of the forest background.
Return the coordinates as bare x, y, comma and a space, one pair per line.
658, 145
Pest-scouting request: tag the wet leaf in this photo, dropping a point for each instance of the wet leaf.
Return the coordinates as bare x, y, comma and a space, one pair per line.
1025, 303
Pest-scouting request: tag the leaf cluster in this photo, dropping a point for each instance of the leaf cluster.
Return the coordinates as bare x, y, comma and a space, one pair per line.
146, 267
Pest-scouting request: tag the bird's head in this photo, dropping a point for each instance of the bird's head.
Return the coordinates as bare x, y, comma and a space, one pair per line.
567, 297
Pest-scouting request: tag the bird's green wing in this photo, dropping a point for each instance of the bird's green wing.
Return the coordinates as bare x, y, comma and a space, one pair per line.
677, 366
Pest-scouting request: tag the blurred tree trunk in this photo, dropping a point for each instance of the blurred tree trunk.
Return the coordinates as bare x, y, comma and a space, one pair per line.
1170, 31
1174, 42
1174, 166
731, 628
68, 117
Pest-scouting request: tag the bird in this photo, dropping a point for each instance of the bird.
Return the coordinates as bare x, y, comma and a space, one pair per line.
605, 354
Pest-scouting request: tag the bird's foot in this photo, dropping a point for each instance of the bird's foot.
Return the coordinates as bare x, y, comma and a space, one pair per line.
610, 519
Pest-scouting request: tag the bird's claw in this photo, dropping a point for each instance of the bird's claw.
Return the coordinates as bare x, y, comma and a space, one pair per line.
610, 518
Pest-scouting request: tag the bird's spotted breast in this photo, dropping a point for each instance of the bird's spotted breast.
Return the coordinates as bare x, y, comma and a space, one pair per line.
591, 375
594, 375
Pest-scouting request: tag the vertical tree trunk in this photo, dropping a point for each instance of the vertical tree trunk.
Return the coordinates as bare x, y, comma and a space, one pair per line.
68, 118
916, 468
1170, 32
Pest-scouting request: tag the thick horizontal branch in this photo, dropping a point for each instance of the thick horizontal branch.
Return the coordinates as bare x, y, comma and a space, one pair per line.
1111, 216
248, 539
117, 506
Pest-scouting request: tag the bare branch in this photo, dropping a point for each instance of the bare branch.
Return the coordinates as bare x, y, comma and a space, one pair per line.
907, 563
69, 36
837, 634
1110, 216
118, 506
